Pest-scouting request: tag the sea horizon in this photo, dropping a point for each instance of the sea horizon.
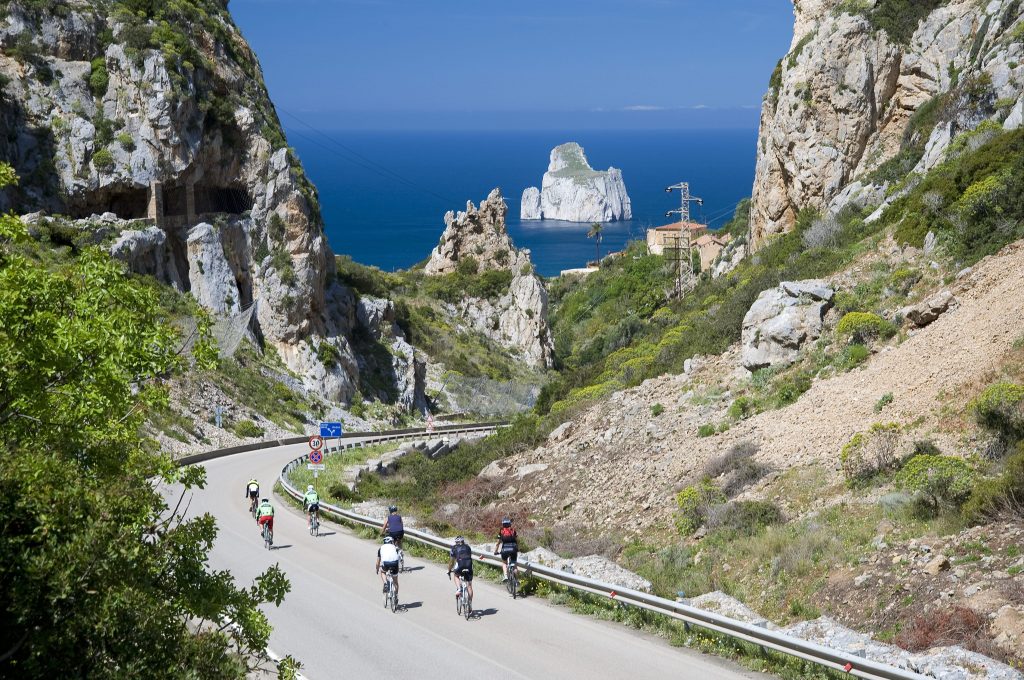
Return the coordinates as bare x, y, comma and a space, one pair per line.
384, 194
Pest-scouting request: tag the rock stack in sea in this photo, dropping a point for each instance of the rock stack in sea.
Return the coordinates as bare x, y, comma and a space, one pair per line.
575, 192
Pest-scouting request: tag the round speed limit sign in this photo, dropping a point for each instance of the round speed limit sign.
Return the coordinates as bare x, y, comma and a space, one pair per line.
316, 442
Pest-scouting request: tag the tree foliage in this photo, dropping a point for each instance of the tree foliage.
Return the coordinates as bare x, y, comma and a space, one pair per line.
940, 480
100, 578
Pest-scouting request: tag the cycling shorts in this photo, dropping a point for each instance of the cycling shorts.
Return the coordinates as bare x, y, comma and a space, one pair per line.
254, 493
465, 573
396, 535
314, 507
509, 555
389, 567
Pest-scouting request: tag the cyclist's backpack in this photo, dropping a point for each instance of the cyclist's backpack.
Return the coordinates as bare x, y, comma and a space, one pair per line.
463, 557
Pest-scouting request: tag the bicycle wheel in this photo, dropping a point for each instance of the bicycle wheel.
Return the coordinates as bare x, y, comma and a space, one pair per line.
513, 583
401, 560
316, 525
394, 598
468, 609
458, 603
266, 537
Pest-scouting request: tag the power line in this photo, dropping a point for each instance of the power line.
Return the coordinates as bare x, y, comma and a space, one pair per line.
352, 156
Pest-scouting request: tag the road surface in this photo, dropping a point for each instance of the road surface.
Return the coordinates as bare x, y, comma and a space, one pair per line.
334, 621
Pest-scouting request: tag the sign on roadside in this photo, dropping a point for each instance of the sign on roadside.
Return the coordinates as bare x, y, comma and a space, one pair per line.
316, 457
330, 430
316, 442
316, 467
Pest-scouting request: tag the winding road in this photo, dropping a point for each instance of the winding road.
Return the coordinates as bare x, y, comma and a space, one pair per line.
334, 621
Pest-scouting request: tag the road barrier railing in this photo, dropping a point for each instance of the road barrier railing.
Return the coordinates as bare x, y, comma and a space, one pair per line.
844, 662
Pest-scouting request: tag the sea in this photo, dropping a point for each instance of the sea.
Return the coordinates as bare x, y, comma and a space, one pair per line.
384, 194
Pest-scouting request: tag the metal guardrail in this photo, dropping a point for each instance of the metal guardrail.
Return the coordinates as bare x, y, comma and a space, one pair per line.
844, 662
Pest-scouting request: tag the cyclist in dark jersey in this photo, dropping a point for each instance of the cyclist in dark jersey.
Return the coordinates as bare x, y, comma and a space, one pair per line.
461, 558
393, 526
508, 545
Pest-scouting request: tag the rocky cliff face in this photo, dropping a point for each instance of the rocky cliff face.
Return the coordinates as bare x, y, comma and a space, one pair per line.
516, 319
575, 192
161, 116
879, 81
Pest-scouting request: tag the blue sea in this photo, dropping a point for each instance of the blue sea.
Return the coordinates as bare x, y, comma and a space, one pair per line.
384, 194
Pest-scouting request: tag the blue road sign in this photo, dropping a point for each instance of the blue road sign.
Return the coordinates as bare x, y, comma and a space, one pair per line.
330, 430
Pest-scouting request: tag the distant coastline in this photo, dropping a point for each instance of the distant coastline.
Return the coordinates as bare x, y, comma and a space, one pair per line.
384, 194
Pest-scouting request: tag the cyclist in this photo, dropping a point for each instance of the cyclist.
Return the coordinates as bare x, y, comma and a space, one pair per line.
252, 492
266, 516
393, 526
310, 503
461, 557
387, 561
508, 545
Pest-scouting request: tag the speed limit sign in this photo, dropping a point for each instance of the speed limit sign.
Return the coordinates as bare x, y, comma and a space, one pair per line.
316, 442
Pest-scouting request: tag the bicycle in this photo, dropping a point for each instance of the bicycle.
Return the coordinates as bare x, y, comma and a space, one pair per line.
464, 601
253, 506
314, 523
512, 584
268, 536
401, 560
390, 595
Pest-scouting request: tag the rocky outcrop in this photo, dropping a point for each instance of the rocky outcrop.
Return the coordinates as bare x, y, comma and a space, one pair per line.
840, 103
517, 318
574, 192
928, 310
407, 370
782, 321
96, 122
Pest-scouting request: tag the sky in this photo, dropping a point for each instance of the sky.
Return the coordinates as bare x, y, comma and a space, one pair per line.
523, 64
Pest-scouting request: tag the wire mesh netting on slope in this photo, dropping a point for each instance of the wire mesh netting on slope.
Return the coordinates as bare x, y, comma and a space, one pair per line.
485, 396
228, 332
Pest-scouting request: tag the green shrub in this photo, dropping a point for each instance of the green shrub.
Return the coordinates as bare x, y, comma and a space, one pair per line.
98, 77
706, 430
1003, 494
357, 407
657, 410
883, 401
851, 357
1000, 408
467, 266
126, 141
744, 517
870, 453
900, 18
327, 353
939, 480
861, 327
103, 160
742, 407
247, 429
695, 503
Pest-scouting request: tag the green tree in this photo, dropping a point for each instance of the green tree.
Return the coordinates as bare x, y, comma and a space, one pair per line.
596, 233
101, 579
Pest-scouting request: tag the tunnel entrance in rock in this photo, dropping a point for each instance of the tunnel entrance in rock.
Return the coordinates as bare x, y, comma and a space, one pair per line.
127, 203
222, 200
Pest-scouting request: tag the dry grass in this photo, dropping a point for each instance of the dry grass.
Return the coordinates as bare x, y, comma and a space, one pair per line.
954, 625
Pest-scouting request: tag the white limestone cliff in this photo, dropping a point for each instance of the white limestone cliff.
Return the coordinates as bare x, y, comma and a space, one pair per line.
574, 192
841, 101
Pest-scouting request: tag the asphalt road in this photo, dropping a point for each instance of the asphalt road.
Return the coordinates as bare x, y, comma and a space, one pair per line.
335, 623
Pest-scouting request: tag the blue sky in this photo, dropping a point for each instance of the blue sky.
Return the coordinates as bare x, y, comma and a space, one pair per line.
524, 64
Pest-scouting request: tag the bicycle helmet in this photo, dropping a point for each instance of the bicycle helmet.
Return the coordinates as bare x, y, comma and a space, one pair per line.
393, 508
309, 487
265, 500
388, 539
506, 522
459, 540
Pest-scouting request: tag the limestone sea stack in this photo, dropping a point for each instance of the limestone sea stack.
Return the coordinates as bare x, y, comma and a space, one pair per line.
574, 192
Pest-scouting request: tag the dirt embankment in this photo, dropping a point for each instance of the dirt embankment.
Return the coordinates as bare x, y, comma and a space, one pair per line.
615, 467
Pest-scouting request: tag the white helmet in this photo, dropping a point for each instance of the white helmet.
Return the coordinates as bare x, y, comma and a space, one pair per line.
388, 539
309, 487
